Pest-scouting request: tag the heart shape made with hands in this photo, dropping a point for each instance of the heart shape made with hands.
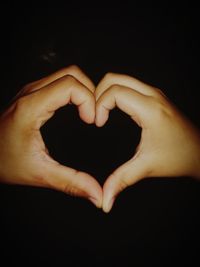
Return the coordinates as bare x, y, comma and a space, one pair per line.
98, 151
73, 77
34, 105
160, 151
94, 104
41, 99
163, 131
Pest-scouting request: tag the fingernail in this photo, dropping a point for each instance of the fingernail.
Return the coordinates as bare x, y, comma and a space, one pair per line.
109, 205
94, 201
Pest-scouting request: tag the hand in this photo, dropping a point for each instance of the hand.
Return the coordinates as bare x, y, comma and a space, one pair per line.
169, 145
24, 159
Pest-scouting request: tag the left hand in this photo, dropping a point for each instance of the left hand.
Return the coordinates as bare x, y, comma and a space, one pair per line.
24, 158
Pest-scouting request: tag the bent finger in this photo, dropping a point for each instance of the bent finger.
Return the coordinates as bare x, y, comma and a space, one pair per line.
41, 105
128, 100
124, 80
72, 70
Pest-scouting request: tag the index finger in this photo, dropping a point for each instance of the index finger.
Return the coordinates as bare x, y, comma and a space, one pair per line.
133, 103
72, 70
124, 80
36, 108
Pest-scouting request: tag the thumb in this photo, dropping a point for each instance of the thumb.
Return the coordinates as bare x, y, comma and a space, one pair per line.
75, 183
126, 175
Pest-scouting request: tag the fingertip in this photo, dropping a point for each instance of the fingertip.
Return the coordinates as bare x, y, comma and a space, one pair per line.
96, 202
88, 118
108, 204
99, 123
108, 197
76, 183
87, 115
101, 117
96, 194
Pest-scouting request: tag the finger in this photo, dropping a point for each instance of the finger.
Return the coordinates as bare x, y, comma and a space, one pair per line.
128, 100
127, 81
126, 175
41, 105
75, 183
73, 70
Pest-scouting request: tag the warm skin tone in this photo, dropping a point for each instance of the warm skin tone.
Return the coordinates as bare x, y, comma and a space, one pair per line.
169, 145
24, 158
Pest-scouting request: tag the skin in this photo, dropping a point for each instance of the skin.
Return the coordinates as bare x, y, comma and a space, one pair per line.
24, 159
169, 145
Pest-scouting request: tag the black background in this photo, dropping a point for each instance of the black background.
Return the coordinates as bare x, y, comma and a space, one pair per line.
155, 222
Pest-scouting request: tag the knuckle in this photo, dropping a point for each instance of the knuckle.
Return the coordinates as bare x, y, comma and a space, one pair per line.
158, 92
22, 112
72, 69
160, 108
69, 79
28, 87
108, 76
115, 88
123, 184
70, 190
21, 103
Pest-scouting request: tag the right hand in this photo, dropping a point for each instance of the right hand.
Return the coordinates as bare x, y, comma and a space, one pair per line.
169, 145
